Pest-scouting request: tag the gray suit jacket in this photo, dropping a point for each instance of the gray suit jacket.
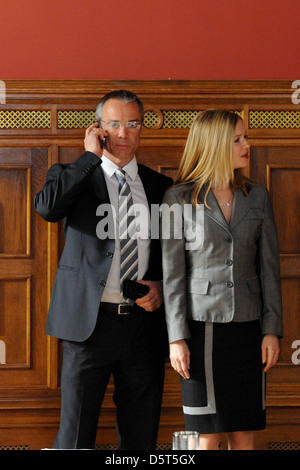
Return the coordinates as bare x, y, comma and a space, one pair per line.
73, 192
230, 272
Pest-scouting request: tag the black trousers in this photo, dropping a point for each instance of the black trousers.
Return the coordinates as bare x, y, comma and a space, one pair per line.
120, 345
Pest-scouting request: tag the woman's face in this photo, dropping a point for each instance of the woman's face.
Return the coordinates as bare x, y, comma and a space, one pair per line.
240, 146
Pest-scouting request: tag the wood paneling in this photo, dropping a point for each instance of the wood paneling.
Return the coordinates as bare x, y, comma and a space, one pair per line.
42, 123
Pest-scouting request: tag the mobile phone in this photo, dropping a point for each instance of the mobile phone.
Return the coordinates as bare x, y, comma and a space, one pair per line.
103, 143
134, 290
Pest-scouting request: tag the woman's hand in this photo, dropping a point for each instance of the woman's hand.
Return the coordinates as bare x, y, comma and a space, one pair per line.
270, 351
180, 358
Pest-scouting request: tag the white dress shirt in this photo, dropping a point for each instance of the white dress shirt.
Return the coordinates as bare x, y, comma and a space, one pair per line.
112, 288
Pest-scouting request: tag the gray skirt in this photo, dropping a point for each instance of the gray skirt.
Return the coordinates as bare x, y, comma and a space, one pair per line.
226, 391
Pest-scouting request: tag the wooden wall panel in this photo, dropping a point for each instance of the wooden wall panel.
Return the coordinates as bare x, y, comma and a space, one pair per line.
42, 123
14, 208
284, 184
15, 303
279, 168
23, 277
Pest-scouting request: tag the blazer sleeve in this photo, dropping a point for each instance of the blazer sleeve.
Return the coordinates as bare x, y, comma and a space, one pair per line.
63, 187
174, 269
272, 317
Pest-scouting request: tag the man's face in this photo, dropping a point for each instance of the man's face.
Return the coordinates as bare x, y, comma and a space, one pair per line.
121, 143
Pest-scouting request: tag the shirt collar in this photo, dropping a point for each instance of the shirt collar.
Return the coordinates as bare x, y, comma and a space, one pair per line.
110, 167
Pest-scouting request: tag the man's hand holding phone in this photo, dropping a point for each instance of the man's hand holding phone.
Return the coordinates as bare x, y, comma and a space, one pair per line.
147, 294
95, 139
154, 298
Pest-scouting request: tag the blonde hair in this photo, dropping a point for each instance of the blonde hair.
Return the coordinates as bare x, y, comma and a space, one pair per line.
208, 153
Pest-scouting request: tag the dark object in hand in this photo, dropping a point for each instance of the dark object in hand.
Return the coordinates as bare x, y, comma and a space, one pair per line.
134, 290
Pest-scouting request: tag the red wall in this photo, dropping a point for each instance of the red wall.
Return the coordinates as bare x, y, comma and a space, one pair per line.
149, 39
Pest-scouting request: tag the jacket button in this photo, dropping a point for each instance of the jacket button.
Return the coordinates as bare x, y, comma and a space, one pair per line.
229, 262
229, 284
109, 254
102, 283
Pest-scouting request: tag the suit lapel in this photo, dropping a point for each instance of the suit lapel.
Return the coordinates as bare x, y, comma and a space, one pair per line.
148, 185
215, 211
99, 185
241, 206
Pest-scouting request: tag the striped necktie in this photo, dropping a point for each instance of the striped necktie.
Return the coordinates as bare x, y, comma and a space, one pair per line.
127, 231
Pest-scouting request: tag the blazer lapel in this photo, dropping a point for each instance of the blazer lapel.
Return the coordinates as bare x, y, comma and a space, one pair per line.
148, 185
99, 184
241, 206
215, 211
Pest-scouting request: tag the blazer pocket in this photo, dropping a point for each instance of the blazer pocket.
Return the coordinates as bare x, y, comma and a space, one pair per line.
197, 286
254, 285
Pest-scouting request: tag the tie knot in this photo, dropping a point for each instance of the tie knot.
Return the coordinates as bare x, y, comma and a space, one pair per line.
120, 174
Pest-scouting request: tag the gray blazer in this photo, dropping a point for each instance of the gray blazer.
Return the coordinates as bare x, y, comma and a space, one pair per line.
73, 192
230, 272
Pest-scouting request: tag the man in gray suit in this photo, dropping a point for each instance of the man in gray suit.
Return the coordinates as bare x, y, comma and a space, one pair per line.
102, 333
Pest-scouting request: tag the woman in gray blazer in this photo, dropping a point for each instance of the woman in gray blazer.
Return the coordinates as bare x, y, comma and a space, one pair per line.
221, 283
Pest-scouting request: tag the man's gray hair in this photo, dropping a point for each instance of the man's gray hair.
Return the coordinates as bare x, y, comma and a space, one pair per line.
122, 95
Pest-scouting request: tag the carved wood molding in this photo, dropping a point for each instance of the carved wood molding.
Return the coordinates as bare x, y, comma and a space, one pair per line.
61, 108
60, 89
